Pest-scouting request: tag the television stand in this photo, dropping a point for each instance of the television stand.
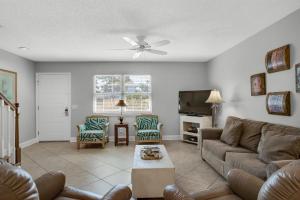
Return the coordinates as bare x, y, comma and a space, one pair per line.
190, 127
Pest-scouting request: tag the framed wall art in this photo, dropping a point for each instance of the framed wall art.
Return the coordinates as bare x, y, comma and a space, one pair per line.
278, 59
258, 84
279, 103
8, 85
297, 78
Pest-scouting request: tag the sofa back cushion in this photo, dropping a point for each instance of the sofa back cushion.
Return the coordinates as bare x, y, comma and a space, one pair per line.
283, 129
95, 123
147, 122
251, 134
232, 131
277, 146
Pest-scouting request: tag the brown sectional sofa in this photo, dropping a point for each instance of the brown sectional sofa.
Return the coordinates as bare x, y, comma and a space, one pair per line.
223, 157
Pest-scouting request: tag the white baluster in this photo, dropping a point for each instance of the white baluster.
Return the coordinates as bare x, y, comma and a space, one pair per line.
6, 130
1, 129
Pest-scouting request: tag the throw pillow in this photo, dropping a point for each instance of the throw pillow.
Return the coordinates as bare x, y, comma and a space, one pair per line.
232, 131
279, 147
251, 134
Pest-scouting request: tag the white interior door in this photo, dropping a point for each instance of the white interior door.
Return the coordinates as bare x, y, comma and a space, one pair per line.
53, 106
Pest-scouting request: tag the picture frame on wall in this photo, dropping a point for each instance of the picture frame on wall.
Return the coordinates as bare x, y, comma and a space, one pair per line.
279, 103
258, 84
8, 85
297, 68
278, 59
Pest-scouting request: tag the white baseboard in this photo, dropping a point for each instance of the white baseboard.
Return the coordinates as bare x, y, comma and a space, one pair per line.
29, 143
132, 138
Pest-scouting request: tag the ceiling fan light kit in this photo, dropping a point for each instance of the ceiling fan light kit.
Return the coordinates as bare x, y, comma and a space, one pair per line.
141, 46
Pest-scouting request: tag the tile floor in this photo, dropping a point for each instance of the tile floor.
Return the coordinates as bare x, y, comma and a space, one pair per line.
97, 169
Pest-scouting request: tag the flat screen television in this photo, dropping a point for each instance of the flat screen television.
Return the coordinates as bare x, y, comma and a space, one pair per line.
193, 102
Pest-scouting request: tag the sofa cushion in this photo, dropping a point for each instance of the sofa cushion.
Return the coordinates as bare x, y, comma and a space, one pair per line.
275, 146
232, 131
219, 148
95, 123
148, 134
251, 134
91, 135
280, 129
247, 162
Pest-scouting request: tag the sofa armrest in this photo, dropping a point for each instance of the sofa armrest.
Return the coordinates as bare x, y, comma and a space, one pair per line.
208, 134
118, 192
50, 185
159, 125
211, 133
81, 127
212, 193
135, 126
74, 193
172, 192
276, 165
244, 184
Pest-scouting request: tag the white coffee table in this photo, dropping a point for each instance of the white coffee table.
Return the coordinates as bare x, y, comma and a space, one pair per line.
150, 177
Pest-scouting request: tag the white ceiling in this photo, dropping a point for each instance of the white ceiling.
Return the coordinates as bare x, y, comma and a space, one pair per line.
87, 30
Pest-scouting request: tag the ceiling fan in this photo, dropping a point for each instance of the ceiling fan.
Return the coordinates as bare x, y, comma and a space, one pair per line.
140, 46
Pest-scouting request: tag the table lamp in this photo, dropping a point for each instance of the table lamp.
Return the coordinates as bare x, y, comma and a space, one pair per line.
215, 99
121, 103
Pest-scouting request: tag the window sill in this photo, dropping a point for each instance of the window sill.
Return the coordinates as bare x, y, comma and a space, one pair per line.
124, 114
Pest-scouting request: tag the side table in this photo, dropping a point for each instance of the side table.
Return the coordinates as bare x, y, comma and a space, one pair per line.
121, 140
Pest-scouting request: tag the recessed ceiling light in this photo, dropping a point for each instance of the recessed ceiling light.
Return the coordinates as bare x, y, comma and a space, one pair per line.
23, 48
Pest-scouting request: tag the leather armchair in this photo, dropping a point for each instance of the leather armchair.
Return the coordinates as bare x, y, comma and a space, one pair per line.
284, 184
15, 183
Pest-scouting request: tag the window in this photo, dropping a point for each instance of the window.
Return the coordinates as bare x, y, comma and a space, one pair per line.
134, 89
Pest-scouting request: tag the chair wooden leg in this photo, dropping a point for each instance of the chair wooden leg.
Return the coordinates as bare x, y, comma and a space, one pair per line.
78, 145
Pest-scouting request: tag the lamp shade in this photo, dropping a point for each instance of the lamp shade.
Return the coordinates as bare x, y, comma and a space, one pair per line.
121, 103
214, 97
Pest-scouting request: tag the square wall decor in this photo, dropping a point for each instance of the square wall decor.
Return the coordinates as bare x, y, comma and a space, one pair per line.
279, 103
297, 78
258, 84
278, 59
8, 85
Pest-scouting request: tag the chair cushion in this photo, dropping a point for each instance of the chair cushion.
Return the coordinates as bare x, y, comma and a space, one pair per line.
148, 134
275, 146
251, 134
145, 122
232, 131
95, 123
219, 149
247, 162
91, 135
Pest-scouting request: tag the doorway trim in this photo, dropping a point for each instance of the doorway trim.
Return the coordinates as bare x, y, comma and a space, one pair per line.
37, 97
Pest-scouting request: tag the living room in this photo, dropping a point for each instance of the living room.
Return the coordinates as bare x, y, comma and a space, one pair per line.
123, 63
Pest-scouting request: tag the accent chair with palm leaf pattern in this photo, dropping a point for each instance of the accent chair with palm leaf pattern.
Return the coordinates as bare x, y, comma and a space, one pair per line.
93, 131
148, 129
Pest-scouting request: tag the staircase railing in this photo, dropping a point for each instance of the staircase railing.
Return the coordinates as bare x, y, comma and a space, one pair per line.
9, 131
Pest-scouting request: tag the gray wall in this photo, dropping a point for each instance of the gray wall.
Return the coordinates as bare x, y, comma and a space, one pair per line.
230, 72
26, 91
167, 80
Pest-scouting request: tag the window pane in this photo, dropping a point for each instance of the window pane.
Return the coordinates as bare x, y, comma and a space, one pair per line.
137, 83
138, 102
107, 93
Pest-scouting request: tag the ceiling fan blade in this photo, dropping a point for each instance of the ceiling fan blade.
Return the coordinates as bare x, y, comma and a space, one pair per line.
156, 52
160, 43
137, 54
130, 41
132, 48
